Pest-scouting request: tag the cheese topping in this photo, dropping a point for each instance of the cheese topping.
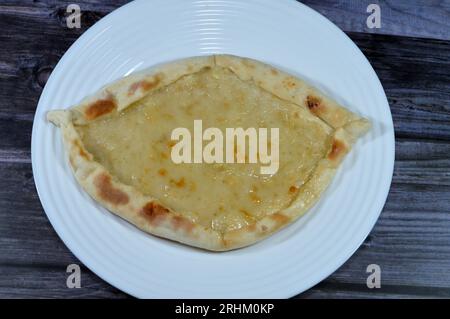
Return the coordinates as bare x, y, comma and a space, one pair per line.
135, 146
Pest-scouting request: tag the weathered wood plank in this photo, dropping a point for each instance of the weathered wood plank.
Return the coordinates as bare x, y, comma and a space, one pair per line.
327, 290
415, 74
50, 282
28, 7
418, 18
16, 137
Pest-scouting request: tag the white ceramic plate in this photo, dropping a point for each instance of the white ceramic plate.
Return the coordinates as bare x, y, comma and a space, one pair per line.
284, 33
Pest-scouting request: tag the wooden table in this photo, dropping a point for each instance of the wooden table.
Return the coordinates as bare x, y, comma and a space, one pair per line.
411, 240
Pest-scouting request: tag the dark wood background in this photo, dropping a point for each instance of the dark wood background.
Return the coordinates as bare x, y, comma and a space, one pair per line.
411, 240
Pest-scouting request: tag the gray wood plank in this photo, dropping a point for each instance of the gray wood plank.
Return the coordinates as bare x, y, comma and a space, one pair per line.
419, 18
327, 290
50, 282
415, 74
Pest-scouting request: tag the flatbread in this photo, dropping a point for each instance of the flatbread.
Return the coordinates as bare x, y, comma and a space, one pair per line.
118, 143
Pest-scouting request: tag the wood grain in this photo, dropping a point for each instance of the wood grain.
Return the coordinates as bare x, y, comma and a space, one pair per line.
419, 18
37, 281
415, 75
411, 240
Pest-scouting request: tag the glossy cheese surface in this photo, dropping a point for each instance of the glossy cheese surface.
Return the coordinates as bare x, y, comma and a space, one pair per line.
135, 146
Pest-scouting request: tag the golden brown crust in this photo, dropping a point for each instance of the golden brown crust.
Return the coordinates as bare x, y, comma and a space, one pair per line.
337, 151
146, 212
314, 104
99, 108
107, 192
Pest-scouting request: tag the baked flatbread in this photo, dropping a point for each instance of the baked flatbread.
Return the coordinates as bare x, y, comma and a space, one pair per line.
119, 147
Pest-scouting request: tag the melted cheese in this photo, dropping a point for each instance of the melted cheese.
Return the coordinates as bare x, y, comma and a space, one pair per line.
135, 146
